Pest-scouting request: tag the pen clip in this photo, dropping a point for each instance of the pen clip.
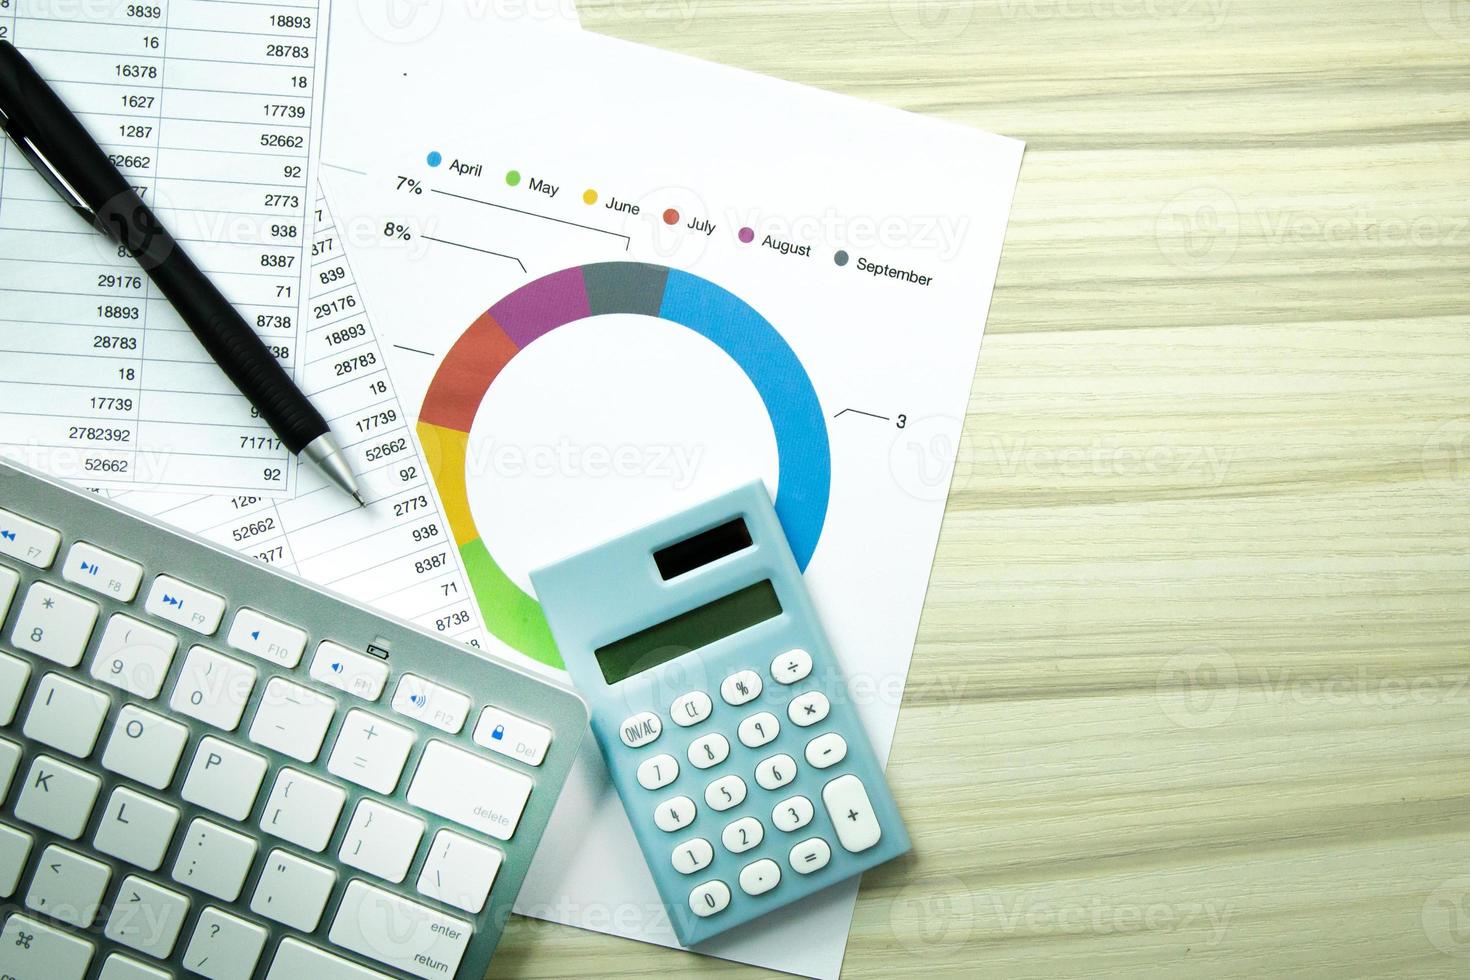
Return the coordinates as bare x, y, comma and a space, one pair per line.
52, 176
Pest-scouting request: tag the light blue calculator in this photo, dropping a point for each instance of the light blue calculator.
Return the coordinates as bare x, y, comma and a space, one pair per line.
722, 713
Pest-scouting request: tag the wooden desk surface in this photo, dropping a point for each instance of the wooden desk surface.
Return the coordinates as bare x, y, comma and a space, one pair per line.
1192, 692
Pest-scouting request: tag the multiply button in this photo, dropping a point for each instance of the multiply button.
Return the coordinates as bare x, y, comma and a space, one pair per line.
741, 687
809, 708
640, 730
791, 666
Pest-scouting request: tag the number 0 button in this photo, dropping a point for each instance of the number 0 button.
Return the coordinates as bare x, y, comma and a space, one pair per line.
709, 898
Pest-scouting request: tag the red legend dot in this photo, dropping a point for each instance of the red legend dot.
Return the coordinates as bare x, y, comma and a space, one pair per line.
671, 217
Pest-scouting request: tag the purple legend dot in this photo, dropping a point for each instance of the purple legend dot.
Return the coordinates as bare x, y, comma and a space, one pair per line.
747, 235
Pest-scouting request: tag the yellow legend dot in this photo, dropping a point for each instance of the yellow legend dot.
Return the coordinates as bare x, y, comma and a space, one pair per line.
589, 196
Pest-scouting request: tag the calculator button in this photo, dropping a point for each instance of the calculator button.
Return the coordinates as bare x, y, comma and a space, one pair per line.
810, 855
35, 544
500, 731
742, 835
434, 704
30, 948
792, 814
640, 730
691, 709
709, 898
347, 670
269, 639
55, 624
185, 605
134, 656
758, 730
775, 772
693, 855
145, 747
674, 814
741, 687
759, 877
303, 809
826, 750
791, 666
400, 933
658, 772
708, 750
725, 792
102, 572
66, 715
851, 813
223, 947
808, 709
459, 871
370, 751
224, 778
470, 790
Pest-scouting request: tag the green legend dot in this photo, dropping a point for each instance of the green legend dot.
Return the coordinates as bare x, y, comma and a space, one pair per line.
513, 178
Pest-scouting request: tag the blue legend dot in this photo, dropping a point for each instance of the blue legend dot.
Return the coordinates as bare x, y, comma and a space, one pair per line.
840, 258
435, 159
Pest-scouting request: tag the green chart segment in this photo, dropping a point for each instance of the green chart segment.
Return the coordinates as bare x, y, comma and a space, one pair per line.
572, 295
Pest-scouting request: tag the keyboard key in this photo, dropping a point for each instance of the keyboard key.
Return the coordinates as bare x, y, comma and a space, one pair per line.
399, 933
469, 790
214, 859
32, 950
295, 959
725, 792
185, 605
293, 891
145, 747
347, 670
224, 778
269, 639
9, 582
808, 709
741, 688
224, 947
68, 886
134, 656
826, 750
693, 855
102, 572
708, 750
759, 729
136, 828
14, 675
370, 751
292, 720
775, 772
10, 754
742, 835
709, 898
147, 917
810, 855
691, 709
674, 814
500, 731
66, 715
120, 967
759, 877
55, 624
459, 871
640, 730
213, 688
433, 704
58, 797
381, 840
791, 666
851, 813
15, 849
658, 772
792, 814
303, 809
22, 538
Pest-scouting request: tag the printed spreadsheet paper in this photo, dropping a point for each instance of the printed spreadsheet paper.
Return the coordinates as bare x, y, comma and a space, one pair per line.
868, 238
211, 110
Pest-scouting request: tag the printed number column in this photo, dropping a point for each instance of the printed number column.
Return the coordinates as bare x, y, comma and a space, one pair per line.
75, 305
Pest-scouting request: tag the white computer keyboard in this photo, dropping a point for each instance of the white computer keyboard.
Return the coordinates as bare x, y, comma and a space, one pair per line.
212, 769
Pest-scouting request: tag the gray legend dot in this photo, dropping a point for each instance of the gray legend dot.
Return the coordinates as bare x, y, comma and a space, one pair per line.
840, 258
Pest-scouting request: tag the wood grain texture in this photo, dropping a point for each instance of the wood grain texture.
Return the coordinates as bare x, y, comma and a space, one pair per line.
1192, 691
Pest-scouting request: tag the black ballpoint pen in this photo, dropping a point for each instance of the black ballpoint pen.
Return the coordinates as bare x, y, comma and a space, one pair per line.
59, 147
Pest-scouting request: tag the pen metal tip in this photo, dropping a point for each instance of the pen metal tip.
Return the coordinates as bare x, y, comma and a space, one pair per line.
360, 501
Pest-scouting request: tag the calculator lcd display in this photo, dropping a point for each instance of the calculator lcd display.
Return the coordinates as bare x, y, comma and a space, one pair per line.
688, 631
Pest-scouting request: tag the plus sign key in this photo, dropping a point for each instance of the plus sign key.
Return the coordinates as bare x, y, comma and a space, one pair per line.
851, 813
